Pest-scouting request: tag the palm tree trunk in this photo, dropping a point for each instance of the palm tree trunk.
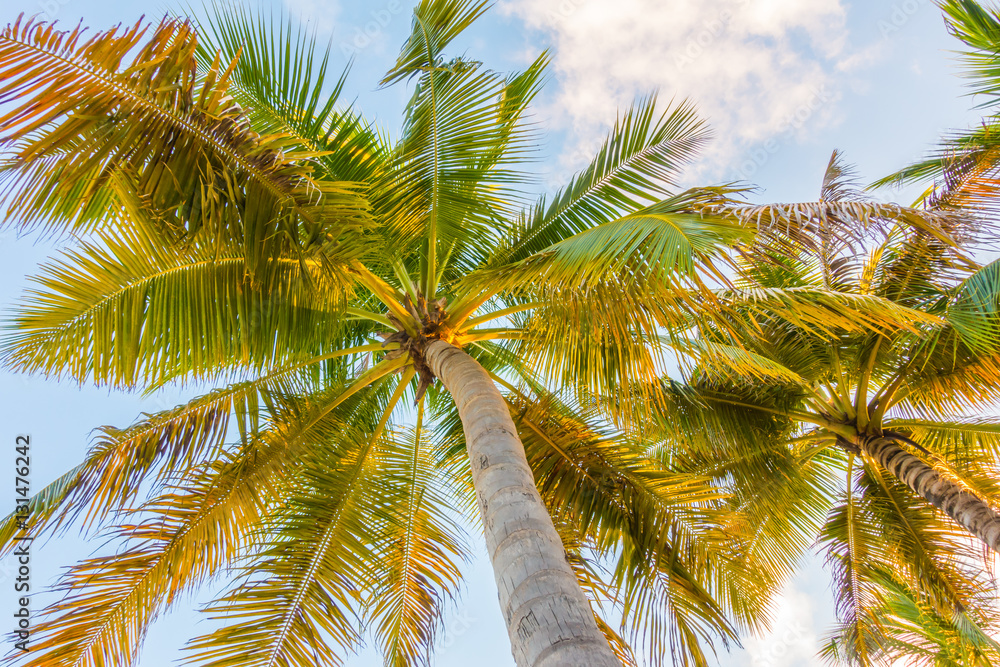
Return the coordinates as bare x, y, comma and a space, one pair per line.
964, 507
549, 619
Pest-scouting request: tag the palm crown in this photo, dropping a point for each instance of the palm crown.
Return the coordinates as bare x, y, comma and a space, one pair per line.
243, 228
852, 439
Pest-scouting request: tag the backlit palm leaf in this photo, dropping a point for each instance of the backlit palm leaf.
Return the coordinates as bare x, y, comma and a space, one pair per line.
186, 145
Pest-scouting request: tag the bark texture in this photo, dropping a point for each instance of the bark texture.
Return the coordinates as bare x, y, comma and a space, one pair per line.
964, 507
549, 620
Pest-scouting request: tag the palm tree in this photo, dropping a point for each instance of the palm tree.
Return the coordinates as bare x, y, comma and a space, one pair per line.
856, 438
239, 227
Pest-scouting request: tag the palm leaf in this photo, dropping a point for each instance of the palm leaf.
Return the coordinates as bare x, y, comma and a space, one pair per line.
633, 169
306, 584
419, 571
186, 146
129, 310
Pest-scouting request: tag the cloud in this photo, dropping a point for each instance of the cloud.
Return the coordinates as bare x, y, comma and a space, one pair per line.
750, 66
792, 640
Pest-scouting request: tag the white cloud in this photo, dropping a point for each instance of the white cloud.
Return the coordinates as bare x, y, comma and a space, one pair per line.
752, 67
792, 641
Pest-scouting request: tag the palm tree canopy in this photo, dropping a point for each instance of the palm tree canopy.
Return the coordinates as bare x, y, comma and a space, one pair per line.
799, 399
242, 227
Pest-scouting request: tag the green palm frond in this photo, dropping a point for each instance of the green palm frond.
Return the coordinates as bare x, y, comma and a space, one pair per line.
957, 440
852, 546
128, 310
161, 446
815, 310
978, 28
186, 145
222, 504
280, 80
657, 243
197, 531
435, 25
457, 160
590, 344
121, 459
307, 583
906, 563
633, 170
422, 547
921, 631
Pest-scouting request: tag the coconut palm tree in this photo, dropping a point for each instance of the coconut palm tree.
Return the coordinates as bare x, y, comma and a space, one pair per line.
233, 224
858, 439
361, 303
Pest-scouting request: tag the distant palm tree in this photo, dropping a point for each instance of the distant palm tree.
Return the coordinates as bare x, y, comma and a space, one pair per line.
855, 438
242, 227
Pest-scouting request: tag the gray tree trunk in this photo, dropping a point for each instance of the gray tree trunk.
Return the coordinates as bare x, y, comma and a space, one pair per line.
964, 507
549, 620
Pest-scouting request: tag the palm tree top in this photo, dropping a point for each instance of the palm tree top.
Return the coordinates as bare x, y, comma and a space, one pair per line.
821, 429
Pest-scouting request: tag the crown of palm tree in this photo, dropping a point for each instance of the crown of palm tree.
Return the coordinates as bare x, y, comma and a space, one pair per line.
241, 226
853, 438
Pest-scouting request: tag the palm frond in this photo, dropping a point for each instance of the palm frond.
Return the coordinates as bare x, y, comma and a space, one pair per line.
658, 243
422, 545
186, 146
280, 81
456, 168
219, 507
306, 586
634, 169
130, 310
196, 531
852, 546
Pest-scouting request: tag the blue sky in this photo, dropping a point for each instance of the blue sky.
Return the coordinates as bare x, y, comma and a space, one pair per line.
783, 82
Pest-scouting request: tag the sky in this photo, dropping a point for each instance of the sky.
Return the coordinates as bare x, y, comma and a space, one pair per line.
782, 82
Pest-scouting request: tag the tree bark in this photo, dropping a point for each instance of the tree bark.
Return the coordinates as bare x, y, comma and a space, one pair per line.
549, 619
966, 508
